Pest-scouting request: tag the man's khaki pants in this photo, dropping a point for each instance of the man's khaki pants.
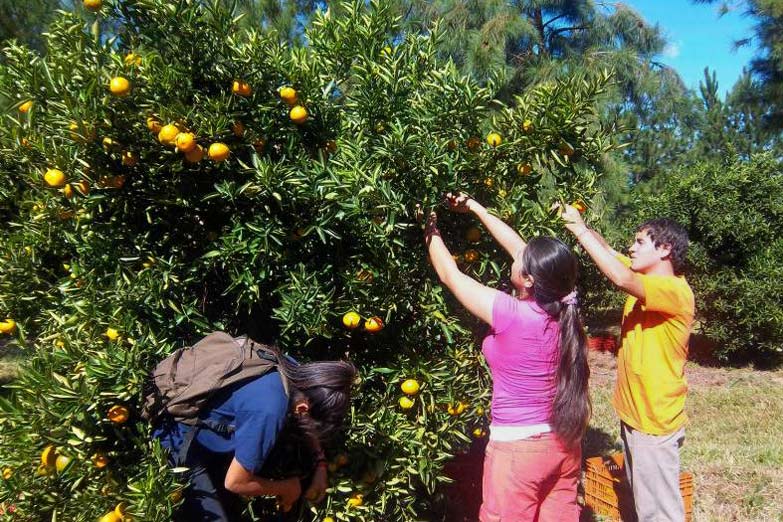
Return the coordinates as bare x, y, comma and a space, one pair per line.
652, 464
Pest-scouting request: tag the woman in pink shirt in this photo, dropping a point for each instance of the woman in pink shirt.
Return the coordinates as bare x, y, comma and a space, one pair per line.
537, 354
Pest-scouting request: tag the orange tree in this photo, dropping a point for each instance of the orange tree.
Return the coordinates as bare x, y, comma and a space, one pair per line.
182, 175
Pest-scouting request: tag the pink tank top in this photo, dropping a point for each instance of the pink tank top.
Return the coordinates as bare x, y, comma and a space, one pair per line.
522, 351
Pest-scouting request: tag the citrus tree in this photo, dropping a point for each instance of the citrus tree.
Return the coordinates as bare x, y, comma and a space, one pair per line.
166, 173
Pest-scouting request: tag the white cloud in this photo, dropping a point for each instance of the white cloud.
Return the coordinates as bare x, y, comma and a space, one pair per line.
672, 49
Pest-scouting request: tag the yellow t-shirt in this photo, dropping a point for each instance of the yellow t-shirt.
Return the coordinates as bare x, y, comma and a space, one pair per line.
651, 387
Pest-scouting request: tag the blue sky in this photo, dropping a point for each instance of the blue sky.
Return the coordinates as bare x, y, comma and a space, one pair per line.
698, 38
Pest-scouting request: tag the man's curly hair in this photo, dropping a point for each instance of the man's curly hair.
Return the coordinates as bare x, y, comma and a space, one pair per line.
667, 232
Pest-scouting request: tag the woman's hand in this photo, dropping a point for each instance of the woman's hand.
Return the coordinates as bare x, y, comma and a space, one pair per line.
431, 227
572, 217
317, 490
459, 202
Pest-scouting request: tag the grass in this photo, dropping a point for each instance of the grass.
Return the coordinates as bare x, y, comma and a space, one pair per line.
733, 444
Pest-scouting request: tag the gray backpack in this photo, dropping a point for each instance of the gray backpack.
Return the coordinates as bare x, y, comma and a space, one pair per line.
184, 381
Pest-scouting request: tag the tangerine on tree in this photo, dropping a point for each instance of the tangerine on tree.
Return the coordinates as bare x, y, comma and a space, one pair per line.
473, 143
129, 158
153, 124
218, 151
118, 414
49, 456
185, 141
298, 114
351, 320
288, 95
83, 186
523, 169
8, 326
99, 460
473, 235
54, 178
167, 134
8, 473
112, 334
111, 516
471, 256
25, 107
373, 324
119, 86
406, 403
410, 387
195, 155
93, 5
61, 463
356, 500
494, 139
68, 191
241, 88
527, 125
238, 129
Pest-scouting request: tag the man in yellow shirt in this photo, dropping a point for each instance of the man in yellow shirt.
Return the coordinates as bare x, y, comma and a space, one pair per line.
649, 396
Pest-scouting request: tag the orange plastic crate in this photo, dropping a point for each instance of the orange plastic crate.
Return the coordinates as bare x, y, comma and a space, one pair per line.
608, 494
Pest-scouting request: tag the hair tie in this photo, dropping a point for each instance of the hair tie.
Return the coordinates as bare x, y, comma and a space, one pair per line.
569, 299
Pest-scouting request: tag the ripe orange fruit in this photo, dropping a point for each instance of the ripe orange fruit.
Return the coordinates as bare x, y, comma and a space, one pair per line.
473, 143
259, 145
578, 205
175, 496
25, 107
111, 516
566, 149
241, 88
112, 334
471, 256
351, 320
218, 151
473, 235
478, 433
132, 59
494, 139
54, 178
119, 86
93, 5
8, 326
298, 115
49, 456
195, 155
480, 410
357, 499
523, 169
238, 129
68, 191
327, 519
410, 387
82, 186
129, 158
406, 403
331, 146
489, 182
185, 141
153, 124
61, 463
121, 510
100, 460
364, 275
167, 134
8, 473
288, 95
527, 125
373, 324
118, 414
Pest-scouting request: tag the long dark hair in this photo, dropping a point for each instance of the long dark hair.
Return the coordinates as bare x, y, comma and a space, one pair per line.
326, 385
554, 269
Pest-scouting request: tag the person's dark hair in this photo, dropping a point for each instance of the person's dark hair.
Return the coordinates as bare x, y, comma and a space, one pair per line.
326, 385
667, 232
554, 269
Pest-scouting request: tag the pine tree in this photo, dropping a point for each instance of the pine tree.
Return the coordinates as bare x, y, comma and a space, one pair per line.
158, 184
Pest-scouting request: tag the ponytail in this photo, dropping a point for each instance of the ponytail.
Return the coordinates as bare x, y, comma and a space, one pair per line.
571, 408
554, 269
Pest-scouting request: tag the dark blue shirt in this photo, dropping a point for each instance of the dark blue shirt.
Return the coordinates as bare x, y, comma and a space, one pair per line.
256, 409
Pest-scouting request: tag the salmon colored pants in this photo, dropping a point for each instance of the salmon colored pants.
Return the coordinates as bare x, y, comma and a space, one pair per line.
532, 479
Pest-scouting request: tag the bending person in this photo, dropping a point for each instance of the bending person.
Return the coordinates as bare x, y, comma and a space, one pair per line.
537, 355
